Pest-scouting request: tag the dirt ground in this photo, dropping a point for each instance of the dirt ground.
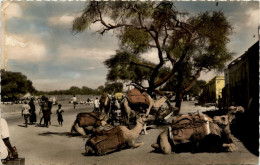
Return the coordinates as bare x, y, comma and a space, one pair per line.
55, 145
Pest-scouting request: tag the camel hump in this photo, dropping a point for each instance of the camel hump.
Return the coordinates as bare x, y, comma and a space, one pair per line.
138, 97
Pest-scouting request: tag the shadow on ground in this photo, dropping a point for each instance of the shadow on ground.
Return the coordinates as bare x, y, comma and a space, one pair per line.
68, 134
245, 127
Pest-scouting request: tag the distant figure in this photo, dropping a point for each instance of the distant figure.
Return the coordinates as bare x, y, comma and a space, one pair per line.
74, 100
33, 117
6, 144
26, 113
88, 101
96, 105
59, 114
46, 110
219, 102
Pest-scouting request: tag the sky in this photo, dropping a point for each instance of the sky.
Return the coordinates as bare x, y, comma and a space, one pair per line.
37, 40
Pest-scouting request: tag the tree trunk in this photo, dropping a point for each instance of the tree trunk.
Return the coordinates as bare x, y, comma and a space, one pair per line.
180, 93
178, 100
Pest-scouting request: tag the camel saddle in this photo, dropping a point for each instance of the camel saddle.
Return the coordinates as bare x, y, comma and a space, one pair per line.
137, 97
189, 128
88, 119
103, 142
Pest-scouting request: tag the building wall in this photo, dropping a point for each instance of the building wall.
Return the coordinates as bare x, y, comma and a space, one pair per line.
213, 89
220, 84
242, 78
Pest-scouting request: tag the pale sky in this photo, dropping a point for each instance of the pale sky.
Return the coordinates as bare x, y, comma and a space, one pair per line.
39, 42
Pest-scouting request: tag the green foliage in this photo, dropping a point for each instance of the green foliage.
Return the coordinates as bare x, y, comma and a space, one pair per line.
121, 67
74, 90
191, 43
136, 40
14, 85
113, 87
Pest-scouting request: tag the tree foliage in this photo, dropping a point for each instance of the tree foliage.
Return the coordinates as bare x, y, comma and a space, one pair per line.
14, 85
178, 38
122, 66
113, 87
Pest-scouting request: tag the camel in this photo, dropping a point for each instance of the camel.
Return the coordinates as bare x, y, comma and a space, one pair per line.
207, 134
129, 138
131, 135
87, 122
154, 107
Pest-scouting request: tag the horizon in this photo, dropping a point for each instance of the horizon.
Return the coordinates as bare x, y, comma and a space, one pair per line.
44, 49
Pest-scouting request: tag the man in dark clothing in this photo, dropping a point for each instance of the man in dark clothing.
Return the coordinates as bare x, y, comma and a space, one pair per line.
46, 110
33, 117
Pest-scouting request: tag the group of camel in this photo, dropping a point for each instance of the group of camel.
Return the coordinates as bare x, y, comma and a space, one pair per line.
214, 129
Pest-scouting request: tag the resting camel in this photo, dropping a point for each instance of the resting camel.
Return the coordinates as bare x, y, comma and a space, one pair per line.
129, 139
154, 107
86, 122
201, 133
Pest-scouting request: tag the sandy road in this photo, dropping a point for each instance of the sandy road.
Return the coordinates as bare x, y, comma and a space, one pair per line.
54, 145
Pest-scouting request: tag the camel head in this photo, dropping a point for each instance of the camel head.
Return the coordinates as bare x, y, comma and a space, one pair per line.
235, 109
222, 121
103, 116
141, 118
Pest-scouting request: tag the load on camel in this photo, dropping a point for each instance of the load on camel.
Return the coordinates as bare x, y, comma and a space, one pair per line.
120, 137
198, 133
86, 122
138, 101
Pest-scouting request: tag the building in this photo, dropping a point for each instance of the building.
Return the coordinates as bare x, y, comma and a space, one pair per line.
213, 89
242, 89
241, 77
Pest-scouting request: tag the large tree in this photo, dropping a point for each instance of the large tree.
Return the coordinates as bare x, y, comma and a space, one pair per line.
14, 85
177, 37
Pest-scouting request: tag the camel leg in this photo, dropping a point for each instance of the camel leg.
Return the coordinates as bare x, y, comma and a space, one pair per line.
164, 143
133, 144
77, 129
144, 129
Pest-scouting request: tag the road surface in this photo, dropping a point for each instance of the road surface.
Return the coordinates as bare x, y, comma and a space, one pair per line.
55, 145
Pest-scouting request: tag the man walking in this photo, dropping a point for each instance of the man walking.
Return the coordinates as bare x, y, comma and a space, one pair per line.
74, 100
96, 105
26, 113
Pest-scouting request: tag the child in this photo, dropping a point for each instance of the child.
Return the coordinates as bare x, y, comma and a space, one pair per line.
59, 114
26, 113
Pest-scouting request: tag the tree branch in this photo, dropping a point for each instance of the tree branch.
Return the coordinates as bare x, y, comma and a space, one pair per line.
193, 81
143, 64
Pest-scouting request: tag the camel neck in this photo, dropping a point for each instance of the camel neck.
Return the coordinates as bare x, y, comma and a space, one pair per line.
138, 127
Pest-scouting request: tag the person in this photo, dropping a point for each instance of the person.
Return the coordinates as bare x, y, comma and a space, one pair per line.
33, 117
6, 144
219, 102
59, 114
46, 110
88, 101
50, 103
26, 113
74, 100
96, 105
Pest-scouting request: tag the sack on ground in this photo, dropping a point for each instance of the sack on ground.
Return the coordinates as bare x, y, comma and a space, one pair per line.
103, 142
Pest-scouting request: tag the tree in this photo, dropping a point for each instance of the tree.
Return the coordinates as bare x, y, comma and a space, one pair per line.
177, 37
14, 85
113, 87
122, 66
